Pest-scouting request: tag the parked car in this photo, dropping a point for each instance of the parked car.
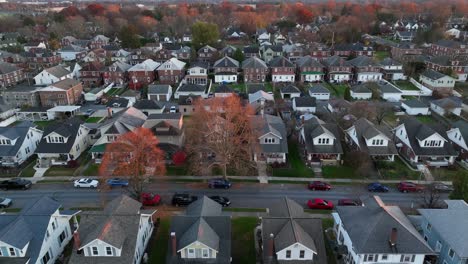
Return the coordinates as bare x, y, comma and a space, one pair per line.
349, 202
5, 202
173, 109
410, 187
117, 182
219, 183
150, 199
16, 183
86, 183
318, 203
377, 187
183, 199
440, 187
224, 201
319, 185
89, 112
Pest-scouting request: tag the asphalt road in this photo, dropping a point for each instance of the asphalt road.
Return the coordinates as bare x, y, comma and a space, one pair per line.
241, 194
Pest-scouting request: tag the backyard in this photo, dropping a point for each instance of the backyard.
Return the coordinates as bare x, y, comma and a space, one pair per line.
427, 119
94, 119
338, 90
157, 247
406, 85
297, 167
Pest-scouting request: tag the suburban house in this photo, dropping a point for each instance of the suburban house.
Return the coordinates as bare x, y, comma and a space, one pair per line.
437, 81
392, 70
406, 52
338, 69
309, 69
201, 235
62, 143
207, 53
148, 107
91, 73
445, 63
405, 35
289, 91
446, 106
37, 234
387, 237
289, 235
98, 42
187, 103
322, 141
282, 70
72, 52
169, 129
304, 104
18, 143
255, 70
319, 51
415, 107
353, 49
272, 138
118, 234
225, 70
188, 89
171, 71
52, 75
458, 134
198, 73
41, 58
116, 73
159, 92
365, 69
251, 51
293, 51
451, 48
10, 74
388, 91
270, 52
423, 143
441, 228
261, 100
22, 95
361, 91
372, 139
228, 51
320, 92
116, 125
64, 92
142, 73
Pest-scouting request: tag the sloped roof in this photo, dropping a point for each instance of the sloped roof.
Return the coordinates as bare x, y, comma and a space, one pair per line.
204, 207
463, 127
17, 132
366, 130
6, 67
434, 75
363, 61
119, 66
147, 65
313, 128
68, 128
145, 104
415, 103
226, 62
360, 88
336, 61
265, 124
290, 89
254, 62
158, 88
318, 88
190, 87
280, 61
448, 102
308, 61
58, 71
223, 88
202, 232
253, 97
123, 121
305, 101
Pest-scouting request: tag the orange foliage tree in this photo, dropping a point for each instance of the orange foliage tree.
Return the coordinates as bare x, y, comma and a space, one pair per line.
134, 155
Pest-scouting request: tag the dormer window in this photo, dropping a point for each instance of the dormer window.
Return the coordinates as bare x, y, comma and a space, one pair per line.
269, 140
5, 142
432, 143
108, 251
324, 141
56, 139
377, 142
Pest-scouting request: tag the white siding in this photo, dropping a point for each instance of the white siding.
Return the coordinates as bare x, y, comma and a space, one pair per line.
283, 77
225, 78
295, 253
456, 137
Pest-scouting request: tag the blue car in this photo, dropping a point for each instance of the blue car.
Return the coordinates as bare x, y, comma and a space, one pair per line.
377, 187
219, 183
116, 182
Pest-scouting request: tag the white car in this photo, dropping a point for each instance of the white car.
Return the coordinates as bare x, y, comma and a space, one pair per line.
86, 183
5, 202
173, 109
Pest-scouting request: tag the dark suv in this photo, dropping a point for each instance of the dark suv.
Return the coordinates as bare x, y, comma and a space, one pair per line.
219, 183
15, 184
183, 199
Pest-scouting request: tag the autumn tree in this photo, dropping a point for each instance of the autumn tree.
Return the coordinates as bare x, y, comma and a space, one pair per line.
134, 155
128, 36
220, 134
204, 34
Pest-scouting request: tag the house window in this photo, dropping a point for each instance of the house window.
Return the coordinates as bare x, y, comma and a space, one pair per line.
438, 246
95, 251
451, 253
429, 227
288, 253
62, 237
407, 258
191, 253
47, 234
53, 226
12, 252
384, 257
302, 254
108, 251
205, 253
46, 258
370, 258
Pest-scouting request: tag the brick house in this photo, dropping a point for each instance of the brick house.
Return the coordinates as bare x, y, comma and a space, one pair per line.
443, 63
207, 53
65, 92
365, 69
255, 70
22, 95
451, 48
225, 70
163, 55
405, 52
282, 70
41, 58
10, 74
319, 51
338, 69
171, 71
116, 73
98, 42
309, 69
142, 73
91, 73
354, 49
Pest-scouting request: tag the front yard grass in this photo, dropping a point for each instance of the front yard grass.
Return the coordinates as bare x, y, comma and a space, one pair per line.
338, 172
94, 119
448, 174
91, 170
158, 244
427, 119
242, 239
297, 167
59, 171
406, 85
397, 170
29, 170
337, 90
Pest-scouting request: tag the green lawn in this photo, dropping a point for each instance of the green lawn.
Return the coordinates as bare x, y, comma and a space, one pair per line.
242, 239
43, 124
406, 85
115, 91
94, 119
337, 172
296, 168
176, 170
158, 243
426, 119
59, 171
337, 90
10, 210
92, 170
29, 170
396, 170
380, 55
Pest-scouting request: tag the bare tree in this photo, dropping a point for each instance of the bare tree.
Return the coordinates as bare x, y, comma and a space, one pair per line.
382, 110
430, 197
360, 162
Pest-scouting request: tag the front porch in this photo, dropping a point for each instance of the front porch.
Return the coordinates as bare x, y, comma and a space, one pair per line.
383, 157
270, 157
47, 160
324, 158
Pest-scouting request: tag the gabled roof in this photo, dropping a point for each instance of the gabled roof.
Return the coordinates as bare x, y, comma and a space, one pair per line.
265, 124
366, 130
19, 133
147, 65
390, 62
119, 66
158, 88
145, 104
202, 232
123, 121
336, 60
254, 97
363, 61
448, 102
318, 88
251, 49
226, 62
463, 127
308, 61
174, 63
58, 71
292, 233
200, 64
290, 89
64, 84
204, 207
207, 47
433, 75
68, 128
254, 62
6, 67
280, 61
315, 127
360, 88
380, 219
305, 101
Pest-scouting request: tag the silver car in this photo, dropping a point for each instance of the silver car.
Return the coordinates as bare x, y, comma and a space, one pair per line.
5, 202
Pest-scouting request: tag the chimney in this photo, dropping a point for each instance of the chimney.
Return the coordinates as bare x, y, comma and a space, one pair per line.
174, 244
77, 241
270, 245
109, 112
393, 238
302, 120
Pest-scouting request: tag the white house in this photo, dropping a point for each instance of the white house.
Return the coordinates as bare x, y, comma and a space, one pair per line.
290, 91
62, 143
120, 234
392, 70
272, 138
415, 107
52, 75
159, 92
361, 91
458, 134
305, 104
36, 235
448, 105
388, 236
197, 73
436, 80
71, 52
265, 36
319, 92
18, 143
389, 92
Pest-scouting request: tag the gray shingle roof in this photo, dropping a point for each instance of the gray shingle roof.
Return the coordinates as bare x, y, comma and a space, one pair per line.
336, 61
318, 88
58, 71
255, 63
373, 236
68, 128
280, 62
360, 88
308, 61
226, 62
290, 89
189, 87
271, 124
313, 128
367, 130
145, 104
415, 103
123, 121
463, 127
7, 68
202, 232
204, 207
158, 88
305, 101
19, 133
450, 223
363, 61
448, 102
386, 87
223, 88
434, 75
390, 62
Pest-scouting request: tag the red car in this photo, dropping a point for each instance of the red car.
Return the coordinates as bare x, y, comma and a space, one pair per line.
319, 185
150, 199
349, 202
318, 203
410, 187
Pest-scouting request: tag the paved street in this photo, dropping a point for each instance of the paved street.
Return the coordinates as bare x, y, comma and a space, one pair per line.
241, 194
